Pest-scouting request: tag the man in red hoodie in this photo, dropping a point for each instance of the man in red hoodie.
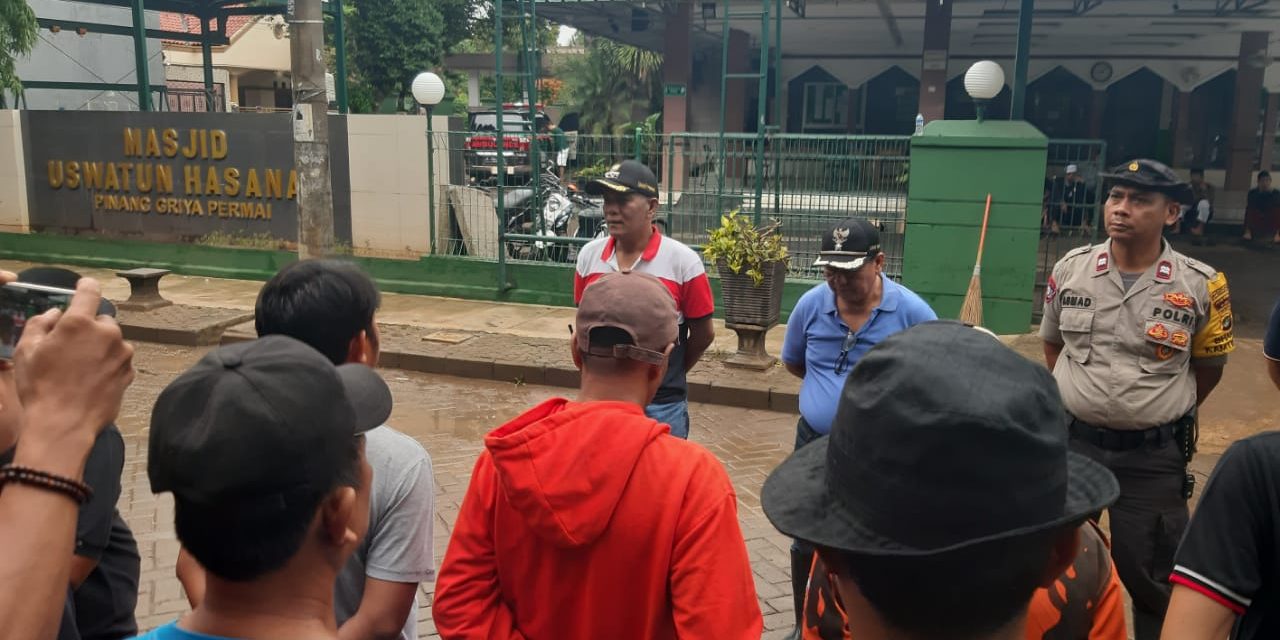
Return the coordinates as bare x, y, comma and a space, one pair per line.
585, 519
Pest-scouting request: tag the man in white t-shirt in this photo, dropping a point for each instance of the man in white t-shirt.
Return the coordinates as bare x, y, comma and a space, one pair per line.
330, 305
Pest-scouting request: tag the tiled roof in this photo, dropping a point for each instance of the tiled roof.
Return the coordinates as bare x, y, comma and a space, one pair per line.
182, 22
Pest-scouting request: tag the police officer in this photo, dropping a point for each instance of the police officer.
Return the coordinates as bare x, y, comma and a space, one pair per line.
1137, 335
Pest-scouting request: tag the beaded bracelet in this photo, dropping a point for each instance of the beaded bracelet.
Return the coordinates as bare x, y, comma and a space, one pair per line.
76, 490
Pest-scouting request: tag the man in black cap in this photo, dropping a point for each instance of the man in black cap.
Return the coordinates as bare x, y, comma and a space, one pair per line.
262, 445
1137, 335
331, 305
103, 590
945, 494
634, 243
832, 326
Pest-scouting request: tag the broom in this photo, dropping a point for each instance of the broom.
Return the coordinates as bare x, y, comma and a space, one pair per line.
971, 310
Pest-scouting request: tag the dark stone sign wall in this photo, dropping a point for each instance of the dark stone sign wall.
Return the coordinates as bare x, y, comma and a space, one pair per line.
173, 176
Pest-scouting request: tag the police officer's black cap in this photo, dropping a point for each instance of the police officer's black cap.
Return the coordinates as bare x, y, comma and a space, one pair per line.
1151, 175
943, 438
627, 176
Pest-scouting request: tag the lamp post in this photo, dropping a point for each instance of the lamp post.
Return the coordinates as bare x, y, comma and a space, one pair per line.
428, 90
983, 81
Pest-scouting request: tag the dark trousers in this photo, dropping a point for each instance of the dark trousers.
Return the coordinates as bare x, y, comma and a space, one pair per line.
1146, 524
801, 551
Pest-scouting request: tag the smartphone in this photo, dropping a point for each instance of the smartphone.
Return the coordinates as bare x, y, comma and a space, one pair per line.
20, 301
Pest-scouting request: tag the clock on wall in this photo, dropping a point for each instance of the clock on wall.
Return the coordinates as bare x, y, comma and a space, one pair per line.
1100, 71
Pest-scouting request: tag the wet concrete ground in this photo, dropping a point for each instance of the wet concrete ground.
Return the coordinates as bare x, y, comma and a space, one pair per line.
449, 416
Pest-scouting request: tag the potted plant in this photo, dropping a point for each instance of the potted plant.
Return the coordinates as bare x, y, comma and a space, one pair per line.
752, 263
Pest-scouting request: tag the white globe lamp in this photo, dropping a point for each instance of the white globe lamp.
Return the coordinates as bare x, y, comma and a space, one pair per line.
983, 81
428, 89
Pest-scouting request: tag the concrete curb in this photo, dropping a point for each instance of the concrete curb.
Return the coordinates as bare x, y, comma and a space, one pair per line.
486, 356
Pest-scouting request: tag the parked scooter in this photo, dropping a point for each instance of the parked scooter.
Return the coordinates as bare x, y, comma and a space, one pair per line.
563, 211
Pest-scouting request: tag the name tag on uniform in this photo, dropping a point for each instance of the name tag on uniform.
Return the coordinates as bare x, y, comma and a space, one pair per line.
1072, 300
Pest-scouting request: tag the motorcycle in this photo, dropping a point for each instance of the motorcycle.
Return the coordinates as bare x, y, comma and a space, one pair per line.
561, 206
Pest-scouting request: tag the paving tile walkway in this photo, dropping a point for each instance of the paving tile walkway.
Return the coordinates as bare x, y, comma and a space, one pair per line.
449, 416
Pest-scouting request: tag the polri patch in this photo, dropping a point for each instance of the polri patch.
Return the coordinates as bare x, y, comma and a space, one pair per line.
1180, 300
1158, 332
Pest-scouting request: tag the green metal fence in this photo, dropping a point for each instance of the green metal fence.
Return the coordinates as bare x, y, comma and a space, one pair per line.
471, 221
1072, 212
806, 182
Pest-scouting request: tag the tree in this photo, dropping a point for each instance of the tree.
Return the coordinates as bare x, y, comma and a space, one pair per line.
483, 38
614, 84
394, 40
642, 64
17, 37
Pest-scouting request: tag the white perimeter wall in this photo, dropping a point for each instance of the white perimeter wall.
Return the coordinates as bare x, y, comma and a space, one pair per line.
389, 183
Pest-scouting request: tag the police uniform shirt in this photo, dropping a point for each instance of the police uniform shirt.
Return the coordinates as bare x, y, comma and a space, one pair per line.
1229, 552
1127, 354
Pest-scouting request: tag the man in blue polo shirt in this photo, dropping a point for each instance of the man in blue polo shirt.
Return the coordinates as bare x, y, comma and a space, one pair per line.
832, 326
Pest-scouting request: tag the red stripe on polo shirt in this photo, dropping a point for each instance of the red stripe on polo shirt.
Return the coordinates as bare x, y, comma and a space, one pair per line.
1208, 592
677, 266
650, 250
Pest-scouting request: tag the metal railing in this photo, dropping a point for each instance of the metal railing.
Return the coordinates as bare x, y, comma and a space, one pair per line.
469, 225
1072, 212
809, 181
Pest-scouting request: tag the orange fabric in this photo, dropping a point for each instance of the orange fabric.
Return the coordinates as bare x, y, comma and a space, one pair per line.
1104, 612
586, 520
1085, 603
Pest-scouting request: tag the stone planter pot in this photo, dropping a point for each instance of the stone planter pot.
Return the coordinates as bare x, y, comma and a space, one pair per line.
746, 303
751, 311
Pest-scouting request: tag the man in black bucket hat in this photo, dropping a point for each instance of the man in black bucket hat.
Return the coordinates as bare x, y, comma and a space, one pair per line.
945, 494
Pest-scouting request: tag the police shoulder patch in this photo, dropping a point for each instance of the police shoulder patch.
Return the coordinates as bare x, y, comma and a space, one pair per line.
1079, 251
1201, 267
1069, 258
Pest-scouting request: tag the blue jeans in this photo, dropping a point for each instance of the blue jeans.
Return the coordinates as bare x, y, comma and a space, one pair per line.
675, 414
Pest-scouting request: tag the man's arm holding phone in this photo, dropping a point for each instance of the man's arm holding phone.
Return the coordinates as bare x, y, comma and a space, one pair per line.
71, 370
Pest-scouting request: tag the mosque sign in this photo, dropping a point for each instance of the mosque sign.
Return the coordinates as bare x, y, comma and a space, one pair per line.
172, 176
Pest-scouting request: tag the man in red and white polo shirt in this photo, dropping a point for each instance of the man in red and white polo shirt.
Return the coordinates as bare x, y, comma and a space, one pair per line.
630, 193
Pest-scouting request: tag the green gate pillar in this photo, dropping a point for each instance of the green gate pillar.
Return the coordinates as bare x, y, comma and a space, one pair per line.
954, 165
